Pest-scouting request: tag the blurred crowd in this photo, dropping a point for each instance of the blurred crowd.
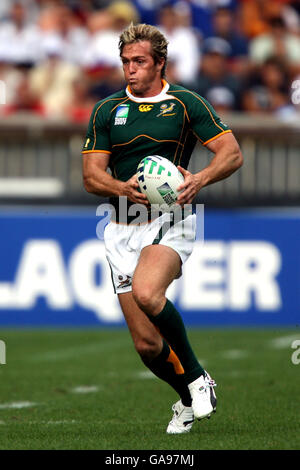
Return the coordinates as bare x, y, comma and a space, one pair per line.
57, 58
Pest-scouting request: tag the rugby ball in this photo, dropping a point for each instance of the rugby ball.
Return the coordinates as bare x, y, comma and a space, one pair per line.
159, 179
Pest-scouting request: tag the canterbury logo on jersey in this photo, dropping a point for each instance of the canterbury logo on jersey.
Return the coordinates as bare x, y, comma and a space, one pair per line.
165, 110
144, 108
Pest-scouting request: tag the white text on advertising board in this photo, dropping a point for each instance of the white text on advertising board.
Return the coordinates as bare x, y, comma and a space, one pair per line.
235, 275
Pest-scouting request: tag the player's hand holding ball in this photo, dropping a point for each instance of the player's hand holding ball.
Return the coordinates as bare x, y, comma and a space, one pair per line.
165, 184
158, 179
188, 189
131, 191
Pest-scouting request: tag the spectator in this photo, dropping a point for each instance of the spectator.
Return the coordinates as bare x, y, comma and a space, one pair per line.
19, 42
295, 4
183, 48
12, 77
291, 18
80, 106
255, 15
32, 7
221, 98
268, 91
62, 23
98, 22
58, 56
295, 93
215, 72
97, 69
184, 16
5, 6
202, 12
102, 60
278, 41
147, 9
105, 27
52, 80
24, 99
225, 26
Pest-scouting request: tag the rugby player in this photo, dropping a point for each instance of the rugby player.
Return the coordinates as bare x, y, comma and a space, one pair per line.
153, 117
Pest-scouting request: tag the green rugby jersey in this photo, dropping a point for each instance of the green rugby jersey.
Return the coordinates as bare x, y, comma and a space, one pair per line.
169, 124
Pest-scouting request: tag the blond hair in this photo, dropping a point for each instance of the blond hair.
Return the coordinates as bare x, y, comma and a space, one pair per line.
146, 32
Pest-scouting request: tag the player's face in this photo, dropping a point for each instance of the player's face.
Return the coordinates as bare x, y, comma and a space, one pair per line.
141, 73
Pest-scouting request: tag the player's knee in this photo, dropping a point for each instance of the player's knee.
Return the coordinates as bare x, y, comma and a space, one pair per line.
147, 299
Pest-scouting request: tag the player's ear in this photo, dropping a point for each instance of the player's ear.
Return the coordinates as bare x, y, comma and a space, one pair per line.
161, 63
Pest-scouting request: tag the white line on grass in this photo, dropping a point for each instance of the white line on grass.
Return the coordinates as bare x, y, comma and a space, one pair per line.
283, 341
50, 422
146, 374
85, 389
240, 373
78, 351
234, 354
62, 421
47, 423
17, 405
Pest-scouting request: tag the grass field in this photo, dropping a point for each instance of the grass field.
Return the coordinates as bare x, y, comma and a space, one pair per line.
87, 389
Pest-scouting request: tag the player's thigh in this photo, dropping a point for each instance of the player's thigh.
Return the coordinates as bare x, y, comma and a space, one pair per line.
157, 267
143, 332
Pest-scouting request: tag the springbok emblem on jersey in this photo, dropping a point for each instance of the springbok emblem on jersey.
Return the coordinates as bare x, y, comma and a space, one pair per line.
124, 282
166, 110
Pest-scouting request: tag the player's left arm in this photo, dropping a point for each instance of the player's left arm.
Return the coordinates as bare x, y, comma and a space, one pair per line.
226, 160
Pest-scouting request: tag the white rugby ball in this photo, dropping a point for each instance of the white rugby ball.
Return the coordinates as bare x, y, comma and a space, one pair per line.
159, 179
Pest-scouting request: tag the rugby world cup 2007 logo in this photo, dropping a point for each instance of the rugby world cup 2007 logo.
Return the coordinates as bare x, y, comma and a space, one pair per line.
121, 114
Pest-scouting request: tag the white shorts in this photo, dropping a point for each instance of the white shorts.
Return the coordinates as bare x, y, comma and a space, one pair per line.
124, 244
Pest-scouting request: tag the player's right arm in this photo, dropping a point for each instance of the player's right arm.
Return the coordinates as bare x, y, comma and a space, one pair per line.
96, 180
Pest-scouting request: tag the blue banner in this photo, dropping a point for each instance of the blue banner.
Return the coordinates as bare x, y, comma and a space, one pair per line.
53, 270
